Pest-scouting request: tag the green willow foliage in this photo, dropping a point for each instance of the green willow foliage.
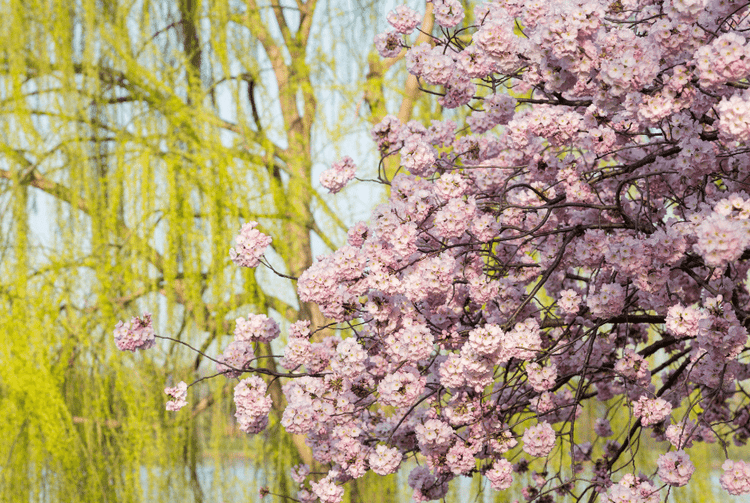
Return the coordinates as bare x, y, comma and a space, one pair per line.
135, 138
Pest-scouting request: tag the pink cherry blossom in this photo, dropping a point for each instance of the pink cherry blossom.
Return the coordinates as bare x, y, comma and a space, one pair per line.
651, 411
251, 245
403, 19
500, 475
138, 333
252, 404
736, 477
401, 389
388, 44
327, 490
299, 473
539, 440
256, 328
179, 396
341, 173
448, 13
541, 378
385, 460
675, 468
235, 357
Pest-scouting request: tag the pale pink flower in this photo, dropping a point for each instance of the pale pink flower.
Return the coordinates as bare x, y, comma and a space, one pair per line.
179, 396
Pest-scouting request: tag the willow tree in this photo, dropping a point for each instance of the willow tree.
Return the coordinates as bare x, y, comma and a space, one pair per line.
137, 136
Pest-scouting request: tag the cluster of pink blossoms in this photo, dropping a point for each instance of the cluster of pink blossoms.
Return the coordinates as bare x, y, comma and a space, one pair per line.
580, 239
736, 477
236, 356
138, 333
724, 234
403, 19
251, 245
539, 440
675, 468
337, 176
632, 490
500, 475
252, 404
651, 411
725, 59
179, 396
682, 435
256, 328
385, 460
327, 490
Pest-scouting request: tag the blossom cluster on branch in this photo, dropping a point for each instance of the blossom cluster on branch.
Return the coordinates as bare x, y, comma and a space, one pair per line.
582, 244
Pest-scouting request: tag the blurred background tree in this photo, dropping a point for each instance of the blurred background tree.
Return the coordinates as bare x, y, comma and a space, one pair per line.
136, 137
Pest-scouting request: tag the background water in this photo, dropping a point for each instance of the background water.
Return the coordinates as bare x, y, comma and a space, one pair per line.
234, 480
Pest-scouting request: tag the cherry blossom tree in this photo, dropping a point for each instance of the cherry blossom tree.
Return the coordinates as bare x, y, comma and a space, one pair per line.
582, 243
